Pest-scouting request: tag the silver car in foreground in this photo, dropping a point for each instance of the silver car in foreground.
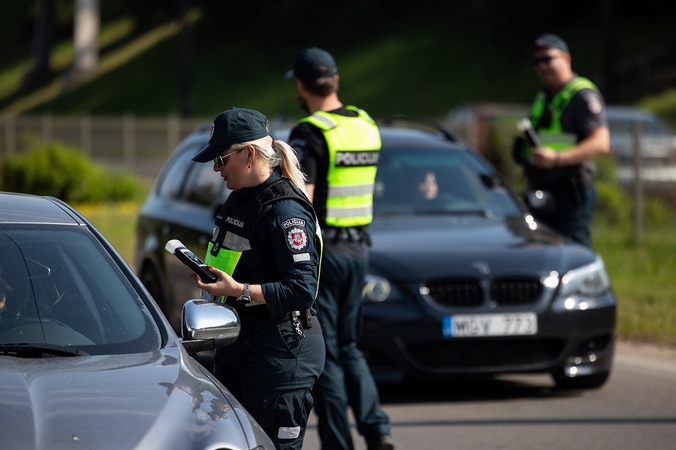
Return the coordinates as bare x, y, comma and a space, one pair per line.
87, 359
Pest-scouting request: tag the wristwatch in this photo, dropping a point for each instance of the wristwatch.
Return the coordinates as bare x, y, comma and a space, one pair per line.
245, 298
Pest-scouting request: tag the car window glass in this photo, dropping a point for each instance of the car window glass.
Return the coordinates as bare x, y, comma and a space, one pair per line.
619, 125
66, 290
419, 181
203, 186
171, 180
655, 128
626, 125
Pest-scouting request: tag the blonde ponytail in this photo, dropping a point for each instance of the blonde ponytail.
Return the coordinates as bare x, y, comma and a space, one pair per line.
278, 153
289, 164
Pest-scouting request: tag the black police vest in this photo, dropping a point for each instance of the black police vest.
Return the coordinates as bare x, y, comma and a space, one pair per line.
256, 265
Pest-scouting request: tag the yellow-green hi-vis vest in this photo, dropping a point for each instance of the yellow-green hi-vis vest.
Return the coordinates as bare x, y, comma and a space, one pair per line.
354, 148
226, 254
553, 135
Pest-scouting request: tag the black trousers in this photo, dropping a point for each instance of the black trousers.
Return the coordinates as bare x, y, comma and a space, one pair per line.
347, 379
571, 215
271, 370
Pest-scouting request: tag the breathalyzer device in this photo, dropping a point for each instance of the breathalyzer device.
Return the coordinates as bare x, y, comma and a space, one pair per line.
526, 128
176, 248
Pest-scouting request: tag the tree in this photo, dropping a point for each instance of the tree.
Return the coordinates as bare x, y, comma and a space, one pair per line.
85, 34
185, 60
43, 39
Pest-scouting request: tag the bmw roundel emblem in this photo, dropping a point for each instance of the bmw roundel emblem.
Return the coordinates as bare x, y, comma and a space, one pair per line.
481, 267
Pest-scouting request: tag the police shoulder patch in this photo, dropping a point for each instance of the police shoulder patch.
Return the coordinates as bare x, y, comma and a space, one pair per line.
296, 234
594, 103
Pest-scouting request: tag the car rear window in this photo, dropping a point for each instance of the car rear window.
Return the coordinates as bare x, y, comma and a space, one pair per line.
184, 179
171, 179
647, 126
203, 186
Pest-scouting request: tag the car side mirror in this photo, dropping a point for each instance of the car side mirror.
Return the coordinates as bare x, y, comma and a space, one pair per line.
540, 200
207, 325
491, 182
488, 181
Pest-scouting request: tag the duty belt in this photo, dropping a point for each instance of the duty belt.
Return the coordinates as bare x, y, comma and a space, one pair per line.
305, 317
349, 234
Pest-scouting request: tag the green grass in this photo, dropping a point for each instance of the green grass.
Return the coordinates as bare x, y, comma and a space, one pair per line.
117, 222
664, 105
643, 276
644, 279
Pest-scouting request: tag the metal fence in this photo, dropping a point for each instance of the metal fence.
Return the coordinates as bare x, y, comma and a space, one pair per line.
139, 145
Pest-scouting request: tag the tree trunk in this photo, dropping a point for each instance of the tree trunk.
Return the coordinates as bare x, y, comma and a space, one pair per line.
85, 36
185, 60
43, 39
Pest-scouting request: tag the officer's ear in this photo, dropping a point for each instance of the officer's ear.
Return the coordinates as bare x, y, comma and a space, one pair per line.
250, 154
300, 87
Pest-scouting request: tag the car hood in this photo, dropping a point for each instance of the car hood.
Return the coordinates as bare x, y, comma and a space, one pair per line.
412, 248
158, 400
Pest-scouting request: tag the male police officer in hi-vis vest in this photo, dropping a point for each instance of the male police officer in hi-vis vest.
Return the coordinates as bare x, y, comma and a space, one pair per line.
568, 115
338, 147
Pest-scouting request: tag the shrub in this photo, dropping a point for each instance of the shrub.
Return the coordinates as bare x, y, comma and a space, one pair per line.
501, 138
59, 171
615, 206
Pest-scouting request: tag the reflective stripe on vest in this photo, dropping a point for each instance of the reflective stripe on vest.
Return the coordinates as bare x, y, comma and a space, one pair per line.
553, 136
354, 148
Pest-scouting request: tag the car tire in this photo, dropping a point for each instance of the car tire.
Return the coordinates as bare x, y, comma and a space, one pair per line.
586, 382
151, 280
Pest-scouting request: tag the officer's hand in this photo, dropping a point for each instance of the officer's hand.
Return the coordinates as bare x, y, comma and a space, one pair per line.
545, 158
224, 286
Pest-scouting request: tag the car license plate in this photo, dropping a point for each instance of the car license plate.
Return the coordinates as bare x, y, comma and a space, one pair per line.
477, 325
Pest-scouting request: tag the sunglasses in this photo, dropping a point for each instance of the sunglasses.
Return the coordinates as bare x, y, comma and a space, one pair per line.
220, 161
545, 59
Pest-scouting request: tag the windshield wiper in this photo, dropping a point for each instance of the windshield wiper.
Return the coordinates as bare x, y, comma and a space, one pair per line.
39, 350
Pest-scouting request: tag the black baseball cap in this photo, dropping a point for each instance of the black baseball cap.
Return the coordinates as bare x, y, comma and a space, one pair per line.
551, 41
233, 126
312, 63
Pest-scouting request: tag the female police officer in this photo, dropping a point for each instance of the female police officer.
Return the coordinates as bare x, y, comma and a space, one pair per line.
265, 251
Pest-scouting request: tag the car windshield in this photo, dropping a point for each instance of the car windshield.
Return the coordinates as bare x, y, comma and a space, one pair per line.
63, 290
438, 181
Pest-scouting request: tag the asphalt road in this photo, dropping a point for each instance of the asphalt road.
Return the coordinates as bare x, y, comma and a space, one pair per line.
636, 409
